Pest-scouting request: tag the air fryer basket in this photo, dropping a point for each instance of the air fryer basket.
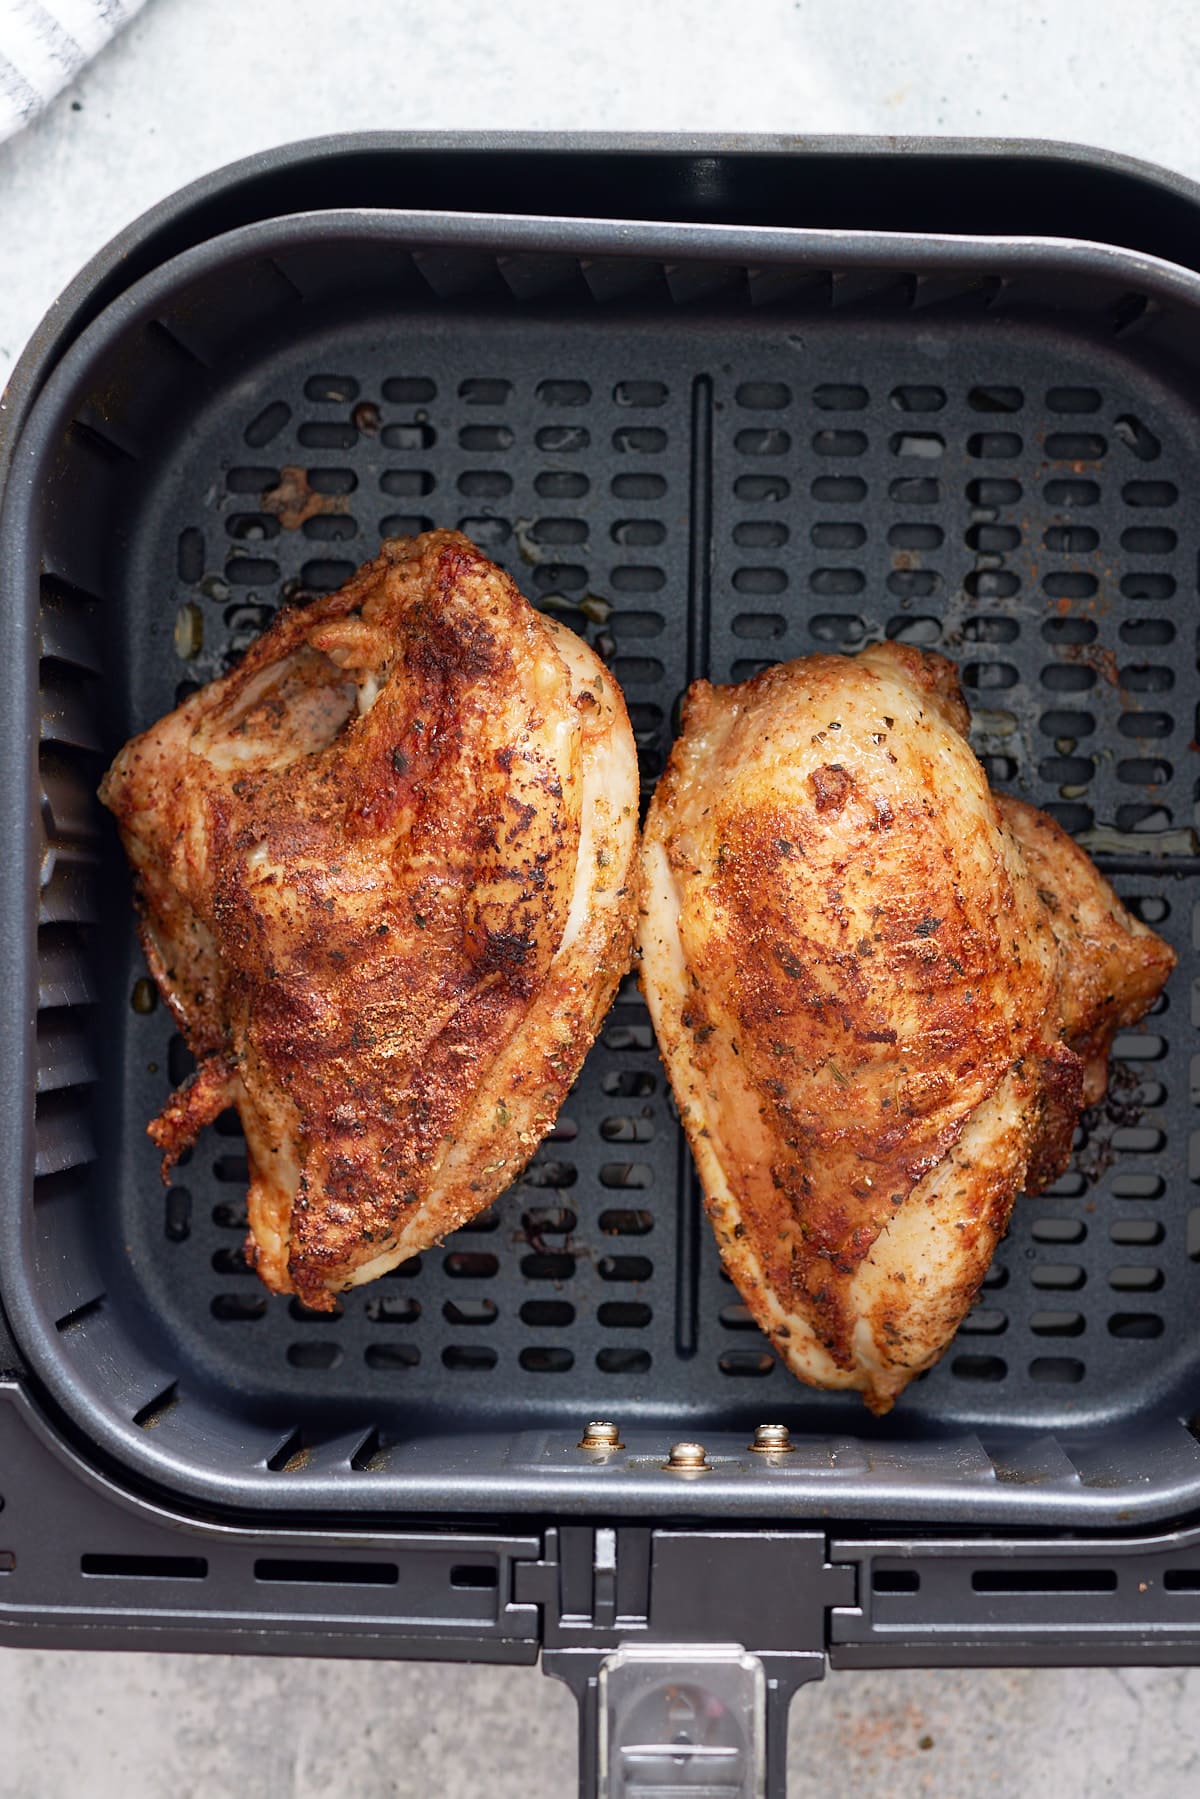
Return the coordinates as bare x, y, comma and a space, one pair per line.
710, 448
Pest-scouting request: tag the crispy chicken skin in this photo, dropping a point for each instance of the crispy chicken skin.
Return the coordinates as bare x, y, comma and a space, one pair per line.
386, 878
882, 997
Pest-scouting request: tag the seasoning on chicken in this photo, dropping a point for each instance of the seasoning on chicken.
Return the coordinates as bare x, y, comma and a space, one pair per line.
882, 995
387, 883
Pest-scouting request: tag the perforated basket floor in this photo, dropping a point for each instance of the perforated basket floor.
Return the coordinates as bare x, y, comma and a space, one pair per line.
705, 471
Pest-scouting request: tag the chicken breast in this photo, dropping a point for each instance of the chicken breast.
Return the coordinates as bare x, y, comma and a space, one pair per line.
880, 996
386, 874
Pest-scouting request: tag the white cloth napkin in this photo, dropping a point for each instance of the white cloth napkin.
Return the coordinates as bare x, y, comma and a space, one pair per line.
44, 44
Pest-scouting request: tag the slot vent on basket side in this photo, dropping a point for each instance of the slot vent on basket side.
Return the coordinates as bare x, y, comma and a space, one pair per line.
1066, 1579
151, 1415
309, 1572
144, 1567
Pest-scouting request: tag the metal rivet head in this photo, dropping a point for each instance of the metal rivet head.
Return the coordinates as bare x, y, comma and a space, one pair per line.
687, 1458
601, 1436
774, 1438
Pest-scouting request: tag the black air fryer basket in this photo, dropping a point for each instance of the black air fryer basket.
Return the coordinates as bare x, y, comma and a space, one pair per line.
814, 398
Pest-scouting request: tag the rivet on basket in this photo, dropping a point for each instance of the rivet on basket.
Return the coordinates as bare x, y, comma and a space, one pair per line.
772, 1439
687, 1458
601, 1436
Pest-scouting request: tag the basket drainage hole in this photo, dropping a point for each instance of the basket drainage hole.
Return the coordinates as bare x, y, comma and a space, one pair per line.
268, 424
334, 1574
314, 1355
465, 1356
474, 1575
1044, 1580
895, 1580
144, 1567
539, 1360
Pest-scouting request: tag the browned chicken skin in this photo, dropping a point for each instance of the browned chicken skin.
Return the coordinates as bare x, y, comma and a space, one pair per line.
387, 882
882, 996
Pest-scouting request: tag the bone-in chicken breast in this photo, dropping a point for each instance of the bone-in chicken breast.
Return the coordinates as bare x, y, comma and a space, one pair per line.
882, 997
386, 875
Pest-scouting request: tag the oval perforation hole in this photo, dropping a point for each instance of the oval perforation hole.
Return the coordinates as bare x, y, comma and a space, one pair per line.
916, 537
646, 533
1070, 540
542, 1266
915, 490
1148, 584
996, 446
627, 1130
835, 534
993, 398
307, 1315
641, 487
1065, 1370
466, 1358
837, 627
405, 1270
389, 1310
177, 1218
547, 1314
643, 440
563, 393
546, 1359
625, 1223
927, 445
990, 627
1057, 1276
623, 1361
315, 1356
230, 1259
640, 393
267, 424
623, 1314
470, 1311
1058, 1230
1068, 630
992, 583
625, 1268
1057, 1324
470, 1265
1134, 1278
392, 1355
475, 438
979, 1368
1150, 493
1137, 436
984, 1321
1149, 540
835, 490
1135, 1326
1067, 493
238, 1308
1138, 1232
765, 396
918, 399
746, 1363
1073, 399
993, 540
1076, 446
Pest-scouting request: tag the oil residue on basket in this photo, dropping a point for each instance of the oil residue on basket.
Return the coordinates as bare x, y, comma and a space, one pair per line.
294, 501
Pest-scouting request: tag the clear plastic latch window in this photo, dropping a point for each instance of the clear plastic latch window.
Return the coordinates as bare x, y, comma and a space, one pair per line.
687, 1719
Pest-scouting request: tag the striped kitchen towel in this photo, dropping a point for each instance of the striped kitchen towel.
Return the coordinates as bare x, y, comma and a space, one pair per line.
44, 44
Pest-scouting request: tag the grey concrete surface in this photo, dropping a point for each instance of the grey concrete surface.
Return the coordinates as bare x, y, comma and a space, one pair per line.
195, 83
195, 1727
